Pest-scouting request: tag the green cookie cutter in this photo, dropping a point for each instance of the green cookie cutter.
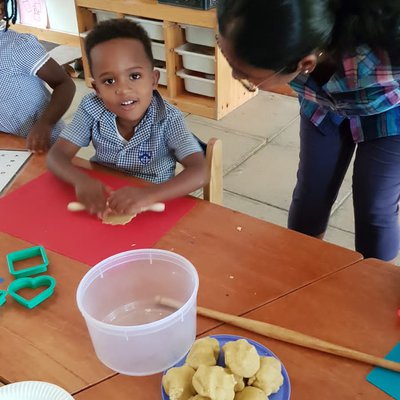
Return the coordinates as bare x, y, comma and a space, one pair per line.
24, 255
33, 283
3, 295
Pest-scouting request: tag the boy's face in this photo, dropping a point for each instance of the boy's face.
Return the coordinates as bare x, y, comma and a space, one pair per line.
124, 78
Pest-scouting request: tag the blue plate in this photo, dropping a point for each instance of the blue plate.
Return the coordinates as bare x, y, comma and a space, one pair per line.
284, 391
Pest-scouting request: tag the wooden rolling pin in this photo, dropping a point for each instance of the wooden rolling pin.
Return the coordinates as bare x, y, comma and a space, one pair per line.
289, 336
76, 206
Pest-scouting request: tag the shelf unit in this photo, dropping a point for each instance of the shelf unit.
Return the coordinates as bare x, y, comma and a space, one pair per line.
229, 93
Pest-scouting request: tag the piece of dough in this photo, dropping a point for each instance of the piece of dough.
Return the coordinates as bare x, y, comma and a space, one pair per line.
241, 358
238, 379
269, 377
251, 393
204, 351
121, 219
198, 397
214, 383
177, 383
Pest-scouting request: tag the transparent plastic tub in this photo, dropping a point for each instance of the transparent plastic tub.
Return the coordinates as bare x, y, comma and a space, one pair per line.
132, 333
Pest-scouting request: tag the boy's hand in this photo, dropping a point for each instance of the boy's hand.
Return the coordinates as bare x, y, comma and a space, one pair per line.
93, 194
38, 139
130, 200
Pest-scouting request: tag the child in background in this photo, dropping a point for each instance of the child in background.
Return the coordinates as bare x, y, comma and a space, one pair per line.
131, 127
26, 106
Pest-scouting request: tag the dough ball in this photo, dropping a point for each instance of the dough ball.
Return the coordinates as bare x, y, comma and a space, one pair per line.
241, 358
214, 383
204, 351
269, 377
198, 397
238, 379
251, 393
177, 383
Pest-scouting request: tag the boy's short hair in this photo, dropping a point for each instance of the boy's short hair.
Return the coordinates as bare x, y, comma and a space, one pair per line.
121, 28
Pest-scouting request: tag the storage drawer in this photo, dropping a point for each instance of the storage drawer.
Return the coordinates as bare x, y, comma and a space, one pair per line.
199, 35
198, 83
158, 50
103, 15
153, 28
197, 58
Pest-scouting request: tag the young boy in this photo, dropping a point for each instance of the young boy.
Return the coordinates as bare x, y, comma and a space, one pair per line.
26, 106
131, 127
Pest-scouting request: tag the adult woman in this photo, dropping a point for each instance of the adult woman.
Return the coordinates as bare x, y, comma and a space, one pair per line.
343, 59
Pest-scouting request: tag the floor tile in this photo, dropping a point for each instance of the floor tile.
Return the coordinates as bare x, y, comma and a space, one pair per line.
343, 217
236, 147
255, 209
264, 115
268, 176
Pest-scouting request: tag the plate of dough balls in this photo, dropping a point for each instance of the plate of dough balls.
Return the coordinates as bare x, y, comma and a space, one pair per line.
226, 367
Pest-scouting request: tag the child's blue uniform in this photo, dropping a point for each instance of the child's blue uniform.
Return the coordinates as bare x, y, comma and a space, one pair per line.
160, 139
24, 95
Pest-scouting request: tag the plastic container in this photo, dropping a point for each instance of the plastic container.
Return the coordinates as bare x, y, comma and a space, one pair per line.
198, 83
158, 50
199, 35
131, 332
197, 58
103, 15
153, 28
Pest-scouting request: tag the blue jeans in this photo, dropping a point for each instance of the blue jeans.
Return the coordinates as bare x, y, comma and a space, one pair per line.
325, 155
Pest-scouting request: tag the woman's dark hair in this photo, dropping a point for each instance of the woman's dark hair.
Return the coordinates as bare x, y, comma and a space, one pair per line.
10, 12
277, 34
117, 29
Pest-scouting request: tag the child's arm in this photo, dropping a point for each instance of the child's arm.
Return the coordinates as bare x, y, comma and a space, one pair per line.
63, 92
130, 200
89, 191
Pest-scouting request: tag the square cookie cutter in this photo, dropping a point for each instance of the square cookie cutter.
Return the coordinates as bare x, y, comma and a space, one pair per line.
25, 254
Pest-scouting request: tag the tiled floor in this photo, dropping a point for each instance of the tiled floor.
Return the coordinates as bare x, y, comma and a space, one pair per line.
261, 145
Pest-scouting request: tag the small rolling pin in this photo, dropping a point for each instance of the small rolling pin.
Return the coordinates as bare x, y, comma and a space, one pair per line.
76, 206
287, 335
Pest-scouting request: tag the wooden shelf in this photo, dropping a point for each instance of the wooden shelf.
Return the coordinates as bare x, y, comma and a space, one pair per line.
151, 9
48, 34
229, 93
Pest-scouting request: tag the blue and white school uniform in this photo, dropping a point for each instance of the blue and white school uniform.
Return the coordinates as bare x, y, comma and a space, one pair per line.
160, 139
24, 95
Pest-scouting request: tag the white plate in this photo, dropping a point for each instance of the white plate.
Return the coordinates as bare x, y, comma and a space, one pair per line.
33, 390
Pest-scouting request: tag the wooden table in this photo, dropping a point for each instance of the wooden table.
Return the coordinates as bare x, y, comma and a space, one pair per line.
356, 307
243, 263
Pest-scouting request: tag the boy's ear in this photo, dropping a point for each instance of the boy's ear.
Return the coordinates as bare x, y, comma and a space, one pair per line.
94, 86
156, 77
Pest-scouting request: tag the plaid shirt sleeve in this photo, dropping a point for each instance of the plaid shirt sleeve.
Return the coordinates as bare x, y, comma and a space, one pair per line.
79, 130
179, 139
29, 54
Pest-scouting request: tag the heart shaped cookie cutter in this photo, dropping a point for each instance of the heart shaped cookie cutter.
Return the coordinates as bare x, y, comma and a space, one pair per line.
32, 283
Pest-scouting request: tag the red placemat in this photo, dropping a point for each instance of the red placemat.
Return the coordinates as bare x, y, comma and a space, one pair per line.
37, 212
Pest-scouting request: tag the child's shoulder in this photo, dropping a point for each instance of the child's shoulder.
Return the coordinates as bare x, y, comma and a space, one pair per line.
92, 105
20, 39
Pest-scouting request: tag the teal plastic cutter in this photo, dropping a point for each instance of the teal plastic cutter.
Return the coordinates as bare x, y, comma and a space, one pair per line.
33, 283
25, 254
